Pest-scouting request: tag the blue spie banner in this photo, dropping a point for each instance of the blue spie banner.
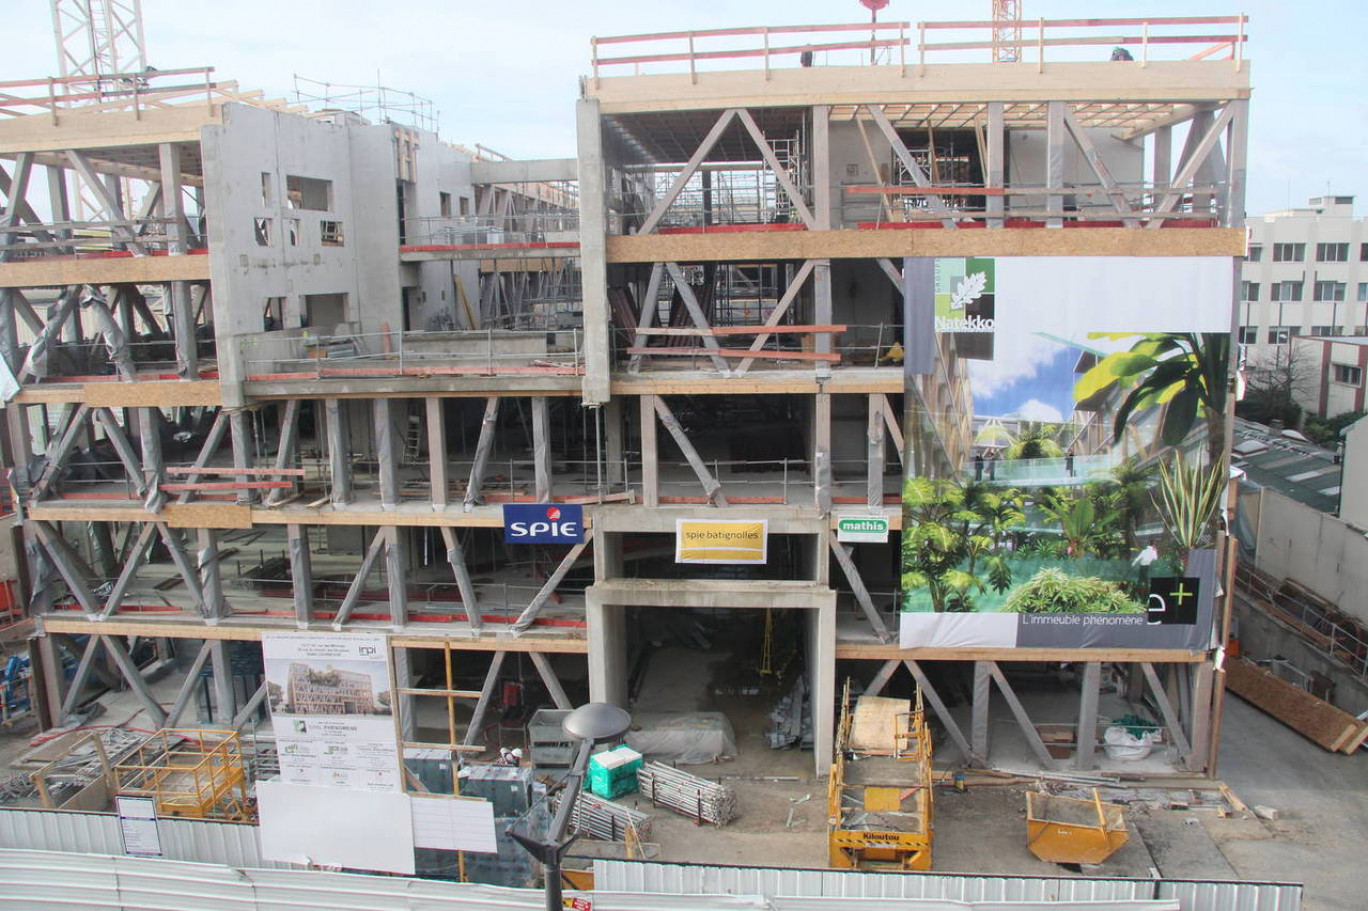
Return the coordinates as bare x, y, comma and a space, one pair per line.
543, 523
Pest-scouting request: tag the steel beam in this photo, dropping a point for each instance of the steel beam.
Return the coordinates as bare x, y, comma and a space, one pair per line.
456, 557
1172, 723
483, 446
136, 683
187, 688
548, 676
947, 720
700, 320
711, 486
353, 596
857, 585
529, 614
1023, 720
934, 201
690, 167
491, 683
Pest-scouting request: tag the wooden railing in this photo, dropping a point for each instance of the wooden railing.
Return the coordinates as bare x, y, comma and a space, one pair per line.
818, 39
694, 47
1140, 33
136, 92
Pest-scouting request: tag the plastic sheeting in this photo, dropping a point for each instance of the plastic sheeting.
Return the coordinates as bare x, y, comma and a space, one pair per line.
688, 738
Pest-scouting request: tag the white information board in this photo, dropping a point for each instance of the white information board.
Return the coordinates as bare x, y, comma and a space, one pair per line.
361, 830
138, 826
331, 710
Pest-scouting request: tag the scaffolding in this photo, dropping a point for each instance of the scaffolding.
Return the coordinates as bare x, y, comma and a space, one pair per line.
198, 774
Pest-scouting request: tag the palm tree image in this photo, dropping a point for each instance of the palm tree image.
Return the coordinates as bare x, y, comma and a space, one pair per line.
1186, 373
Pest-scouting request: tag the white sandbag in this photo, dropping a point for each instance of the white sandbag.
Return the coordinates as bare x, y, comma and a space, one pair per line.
1124, 746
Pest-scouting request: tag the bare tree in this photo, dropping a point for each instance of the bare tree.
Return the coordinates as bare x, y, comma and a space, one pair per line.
1277, 383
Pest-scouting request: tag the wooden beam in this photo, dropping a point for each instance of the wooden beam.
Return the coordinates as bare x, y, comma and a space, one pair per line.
897, 244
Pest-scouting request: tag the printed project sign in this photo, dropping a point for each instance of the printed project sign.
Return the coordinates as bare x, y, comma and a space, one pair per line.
1067, 419
721, 540
331, 708
543, 523
862, 529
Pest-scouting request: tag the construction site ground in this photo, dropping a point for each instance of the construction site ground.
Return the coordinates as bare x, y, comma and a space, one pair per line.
1320, 802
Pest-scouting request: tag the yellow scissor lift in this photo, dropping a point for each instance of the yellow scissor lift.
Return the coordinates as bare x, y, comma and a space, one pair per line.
879, 806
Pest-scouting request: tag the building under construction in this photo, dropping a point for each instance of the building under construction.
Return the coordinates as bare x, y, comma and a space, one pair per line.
281, 368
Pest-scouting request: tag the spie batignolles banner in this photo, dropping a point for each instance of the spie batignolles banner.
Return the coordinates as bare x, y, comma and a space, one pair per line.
1065, 420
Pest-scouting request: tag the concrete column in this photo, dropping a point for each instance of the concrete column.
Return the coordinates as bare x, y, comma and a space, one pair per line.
613, 431
1237, 145
822, 477
301, 574
650, 453
386, 453
607, 634
242, 452
996, 164
541, 448
339, 468
821, 167
1162, 157
396, 570
983, 691
437, 453
225, 704
1054, 162
821, 631
211, 579
593, 201
821, 312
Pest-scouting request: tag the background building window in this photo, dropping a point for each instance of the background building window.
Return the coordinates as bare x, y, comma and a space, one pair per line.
1332, 253
1287, 291
1329, 291
1249, 291
1323, 331
1279, 335
1289, 253
444, 204
1363, 291
1349, 375
1249, 335
1255, 253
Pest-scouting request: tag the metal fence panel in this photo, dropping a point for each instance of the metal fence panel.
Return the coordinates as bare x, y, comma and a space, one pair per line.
199, 841
686, 879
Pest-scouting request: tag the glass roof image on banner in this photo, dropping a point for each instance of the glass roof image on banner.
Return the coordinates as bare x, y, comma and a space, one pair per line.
1065, 424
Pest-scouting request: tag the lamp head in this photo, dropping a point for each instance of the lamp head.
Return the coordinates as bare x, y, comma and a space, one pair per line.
597, 722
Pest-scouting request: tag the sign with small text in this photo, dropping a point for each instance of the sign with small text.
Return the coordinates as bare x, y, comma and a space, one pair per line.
721, 540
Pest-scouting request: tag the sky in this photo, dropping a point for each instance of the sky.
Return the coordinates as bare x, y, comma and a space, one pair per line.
506, 74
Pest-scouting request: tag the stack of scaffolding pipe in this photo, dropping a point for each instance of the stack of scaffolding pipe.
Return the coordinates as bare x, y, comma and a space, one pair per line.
607, 821
688, 795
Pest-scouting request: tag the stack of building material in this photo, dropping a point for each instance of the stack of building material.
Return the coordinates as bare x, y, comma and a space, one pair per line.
607, 821
688, 795
613, 773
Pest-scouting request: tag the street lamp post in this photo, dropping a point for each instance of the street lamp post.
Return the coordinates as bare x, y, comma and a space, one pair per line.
594, 723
